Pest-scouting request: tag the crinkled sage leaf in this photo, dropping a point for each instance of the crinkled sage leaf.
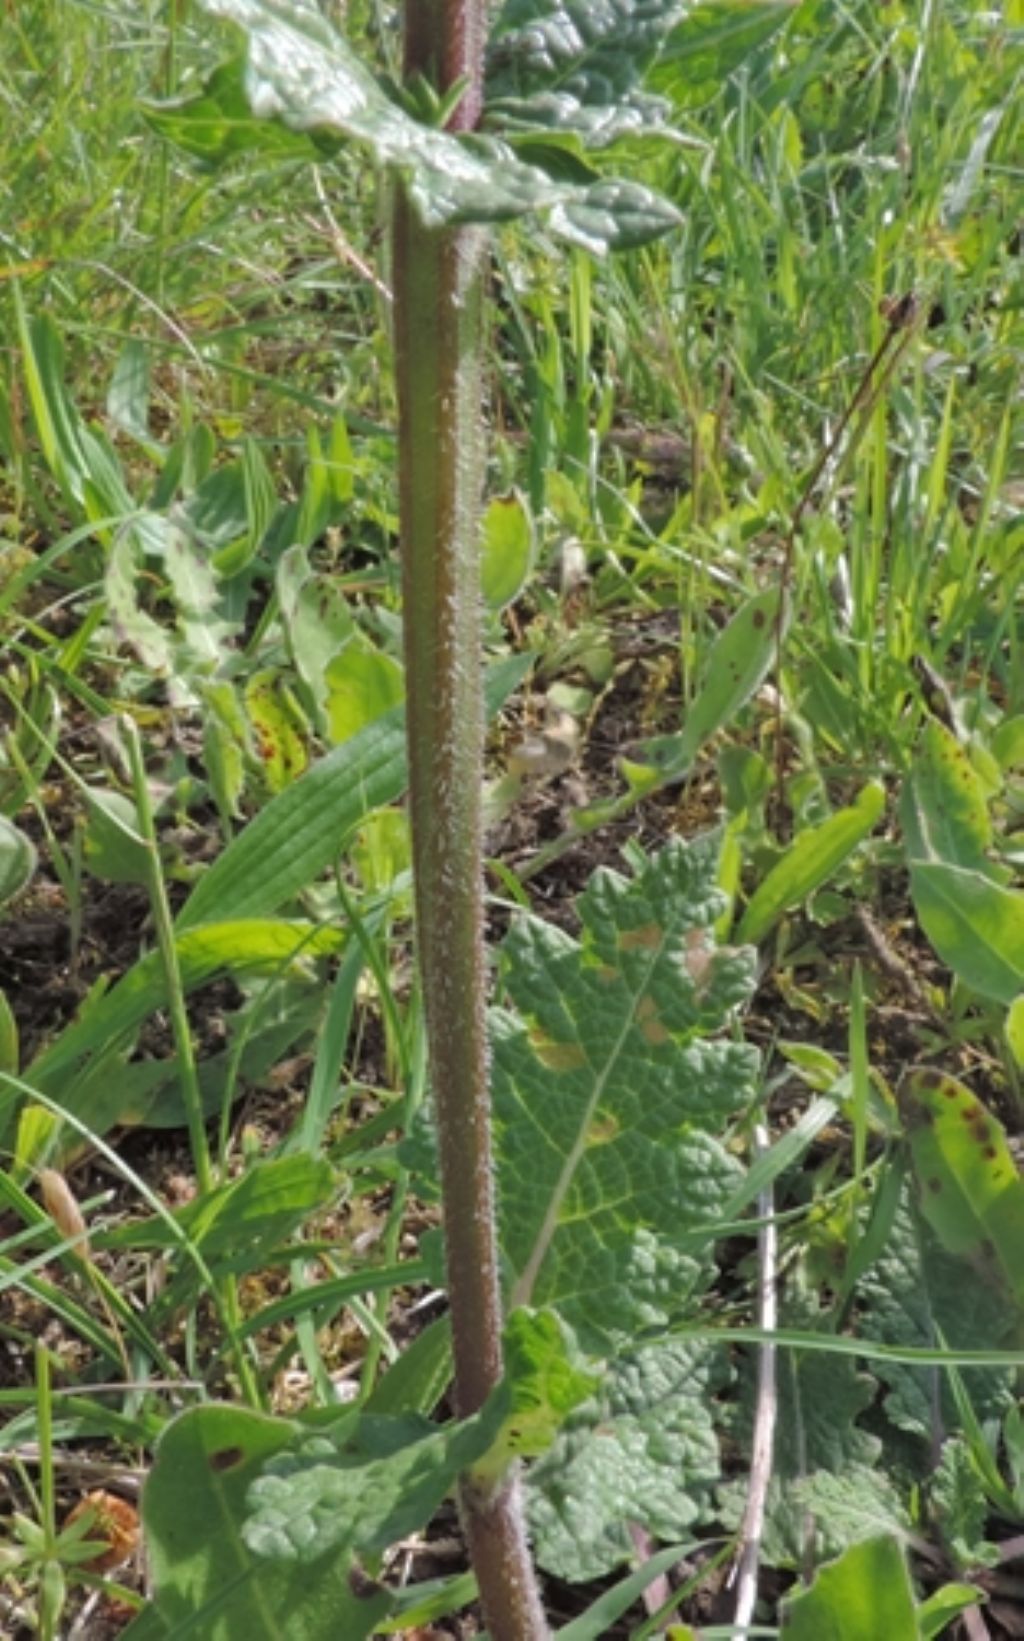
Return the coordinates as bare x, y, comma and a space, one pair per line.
300, 72
610, 1096
643, 1452
208, 1580
573, 65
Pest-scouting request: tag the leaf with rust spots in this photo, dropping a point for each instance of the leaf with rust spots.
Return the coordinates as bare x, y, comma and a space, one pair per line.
970, 1190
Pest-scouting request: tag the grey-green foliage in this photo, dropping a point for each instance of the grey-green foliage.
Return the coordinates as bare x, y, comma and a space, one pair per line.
577, 66
643, 1452
960, 1507
917, 1294
827, 1488
611, 1096
300, 73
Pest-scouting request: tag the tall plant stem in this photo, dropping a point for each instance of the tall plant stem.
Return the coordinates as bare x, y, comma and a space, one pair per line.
438, 291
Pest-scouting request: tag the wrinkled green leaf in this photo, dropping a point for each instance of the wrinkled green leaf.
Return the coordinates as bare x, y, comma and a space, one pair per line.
576, 67
970, 1190
299, 71
916, 1292
811, 860
644, 1452
608, 1095
960, 1506
863, 1596
358, 1485
17, 860
976, 926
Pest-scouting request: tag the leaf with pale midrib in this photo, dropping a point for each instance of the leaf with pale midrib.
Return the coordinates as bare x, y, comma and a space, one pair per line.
610, 1097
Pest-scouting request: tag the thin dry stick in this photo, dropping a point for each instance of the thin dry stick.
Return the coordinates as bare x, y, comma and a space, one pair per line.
745, 1568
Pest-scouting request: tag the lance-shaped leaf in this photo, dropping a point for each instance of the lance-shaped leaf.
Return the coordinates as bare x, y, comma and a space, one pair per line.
299, 71
571, 65
943, 809
609, 1096
971, 1192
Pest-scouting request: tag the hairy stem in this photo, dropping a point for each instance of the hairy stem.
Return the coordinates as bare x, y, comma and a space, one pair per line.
438, 291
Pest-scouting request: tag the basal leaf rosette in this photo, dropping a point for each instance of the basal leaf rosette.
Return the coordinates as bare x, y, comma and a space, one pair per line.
611, 1097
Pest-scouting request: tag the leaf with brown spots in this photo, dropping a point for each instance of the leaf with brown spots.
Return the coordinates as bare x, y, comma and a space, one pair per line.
970, 1190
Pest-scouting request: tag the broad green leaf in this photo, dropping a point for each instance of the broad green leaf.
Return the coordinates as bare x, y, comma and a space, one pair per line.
17, 860
362, 685
970, 1190
419, 1378
506, 549
832, 1509
810, 861
975, 925
133, 625
943, 809
644, 1452
737, 665
300, 72
317, 618
82, 463
863, 1596
128, 393
576, 67
609, 1096
225, 741
543, 1385
1008, 743
208, 1582
299, 832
